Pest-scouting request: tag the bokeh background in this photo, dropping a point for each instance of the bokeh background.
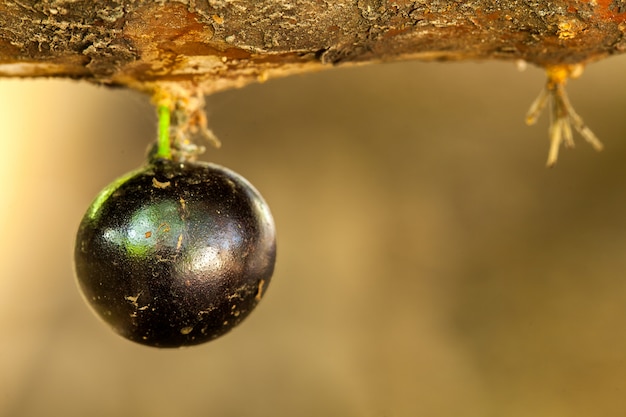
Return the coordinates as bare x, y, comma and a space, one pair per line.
429, 264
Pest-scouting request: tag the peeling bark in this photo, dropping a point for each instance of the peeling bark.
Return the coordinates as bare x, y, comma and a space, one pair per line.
217, 44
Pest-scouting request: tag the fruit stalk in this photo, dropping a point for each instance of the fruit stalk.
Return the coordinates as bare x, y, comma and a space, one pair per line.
164, 148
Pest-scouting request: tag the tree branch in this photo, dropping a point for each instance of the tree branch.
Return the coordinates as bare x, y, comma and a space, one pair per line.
217, 44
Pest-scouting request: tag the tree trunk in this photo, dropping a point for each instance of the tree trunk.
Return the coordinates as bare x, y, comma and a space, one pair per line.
212, 45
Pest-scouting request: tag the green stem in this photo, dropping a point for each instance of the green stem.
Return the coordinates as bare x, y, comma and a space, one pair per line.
164, 149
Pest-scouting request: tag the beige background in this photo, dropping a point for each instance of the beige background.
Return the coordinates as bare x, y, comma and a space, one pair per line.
429, 265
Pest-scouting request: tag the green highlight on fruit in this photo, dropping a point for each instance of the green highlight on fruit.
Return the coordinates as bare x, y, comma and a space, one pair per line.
154, 226
164, 149
94, 208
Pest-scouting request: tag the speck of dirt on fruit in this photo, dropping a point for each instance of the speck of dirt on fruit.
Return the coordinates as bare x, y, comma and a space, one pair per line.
259, 292
232, 185
157, 184
133, 300
148, 234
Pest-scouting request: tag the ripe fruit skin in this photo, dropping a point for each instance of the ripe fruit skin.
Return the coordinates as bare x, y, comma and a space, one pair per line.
175, 254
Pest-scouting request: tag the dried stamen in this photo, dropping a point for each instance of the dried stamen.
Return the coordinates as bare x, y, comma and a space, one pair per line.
562, 114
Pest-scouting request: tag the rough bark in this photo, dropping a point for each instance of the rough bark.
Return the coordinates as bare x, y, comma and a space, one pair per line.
218, 44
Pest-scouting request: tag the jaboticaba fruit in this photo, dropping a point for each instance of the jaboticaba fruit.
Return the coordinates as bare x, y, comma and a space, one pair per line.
176, 254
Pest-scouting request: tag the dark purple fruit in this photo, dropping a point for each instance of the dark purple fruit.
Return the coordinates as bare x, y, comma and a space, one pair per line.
176, 254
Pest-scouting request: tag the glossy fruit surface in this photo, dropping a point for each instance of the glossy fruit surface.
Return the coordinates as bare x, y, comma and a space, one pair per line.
175, 254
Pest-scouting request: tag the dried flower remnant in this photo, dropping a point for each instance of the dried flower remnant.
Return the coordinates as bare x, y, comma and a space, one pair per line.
189, 122
562, 114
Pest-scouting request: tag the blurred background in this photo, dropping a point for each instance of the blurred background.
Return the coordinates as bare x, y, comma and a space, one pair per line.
429, 264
